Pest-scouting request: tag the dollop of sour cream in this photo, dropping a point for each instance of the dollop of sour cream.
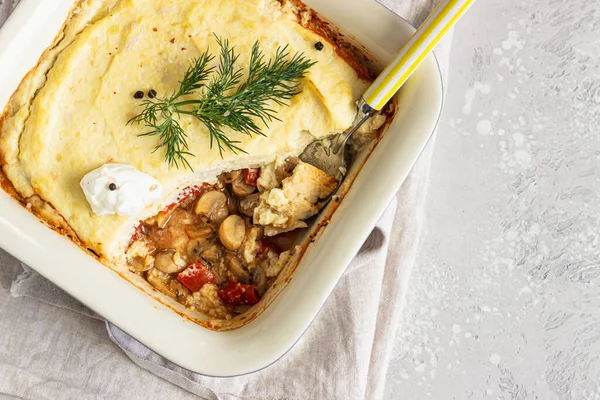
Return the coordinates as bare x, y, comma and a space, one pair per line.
119, 189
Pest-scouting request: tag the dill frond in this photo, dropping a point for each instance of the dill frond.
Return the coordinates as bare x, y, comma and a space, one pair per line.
216, 98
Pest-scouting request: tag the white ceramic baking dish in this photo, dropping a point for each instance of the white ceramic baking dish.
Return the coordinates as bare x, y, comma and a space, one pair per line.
27, 33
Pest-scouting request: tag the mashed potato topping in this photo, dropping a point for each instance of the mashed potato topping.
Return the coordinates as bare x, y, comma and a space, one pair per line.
69, 116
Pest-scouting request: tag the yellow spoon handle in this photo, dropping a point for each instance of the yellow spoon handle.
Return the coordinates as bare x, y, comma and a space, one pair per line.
443, 17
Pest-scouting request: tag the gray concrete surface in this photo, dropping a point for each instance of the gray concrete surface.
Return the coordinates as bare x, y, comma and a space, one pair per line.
504, 302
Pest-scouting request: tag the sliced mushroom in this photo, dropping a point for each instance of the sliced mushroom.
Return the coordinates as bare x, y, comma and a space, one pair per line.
169, 262
236, 269
286, 168
211, 253
139, 248
248, 204
219, 215
178, 290
136, 264
243, 308
259, 280
220, 270
232, 205
230, 177
210, 200
213, 204
166, 285
232, 232
201, 230
160, 281
141, 264
195, 247
183, 217
219, 185
240, 189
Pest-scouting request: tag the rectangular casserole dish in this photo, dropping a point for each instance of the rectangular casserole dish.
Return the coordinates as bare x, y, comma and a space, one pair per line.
31, 29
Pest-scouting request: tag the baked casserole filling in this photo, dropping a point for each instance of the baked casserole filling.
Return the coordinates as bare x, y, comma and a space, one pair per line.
221, 246
126, 137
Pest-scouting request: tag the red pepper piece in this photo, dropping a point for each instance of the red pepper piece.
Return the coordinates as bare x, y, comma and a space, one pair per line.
195, 276
231, 294
250, 295
235, 294
251, 175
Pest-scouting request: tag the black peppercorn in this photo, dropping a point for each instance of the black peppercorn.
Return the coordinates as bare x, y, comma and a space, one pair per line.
319, 46
112, 187
152, 93
139, 94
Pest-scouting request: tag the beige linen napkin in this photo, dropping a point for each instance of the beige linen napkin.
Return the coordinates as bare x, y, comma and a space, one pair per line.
344, 354
6, 7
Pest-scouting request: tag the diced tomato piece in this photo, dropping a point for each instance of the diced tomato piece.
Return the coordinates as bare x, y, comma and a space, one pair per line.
195, 276
250, 295
265, 247
235, 294
231, 294
251, 175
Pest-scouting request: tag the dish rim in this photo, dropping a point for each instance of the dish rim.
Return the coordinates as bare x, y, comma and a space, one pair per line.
309, 323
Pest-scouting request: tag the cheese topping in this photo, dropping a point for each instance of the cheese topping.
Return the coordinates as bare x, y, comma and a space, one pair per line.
70, 115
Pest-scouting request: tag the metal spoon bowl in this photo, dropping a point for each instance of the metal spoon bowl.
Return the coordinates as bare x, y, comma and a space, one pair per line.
330, 154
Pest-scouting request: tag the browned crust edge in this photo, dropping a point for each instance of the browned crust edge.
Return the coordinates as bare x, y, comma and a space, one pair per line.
357, 58
36, 203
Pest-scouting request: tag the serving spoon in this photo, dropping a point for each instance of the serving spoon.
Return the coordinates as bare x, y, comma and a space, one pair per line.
329, 153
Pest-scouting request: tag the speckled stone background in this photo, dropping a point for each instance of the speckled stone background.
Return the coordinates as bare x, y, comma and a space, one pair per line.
505, 300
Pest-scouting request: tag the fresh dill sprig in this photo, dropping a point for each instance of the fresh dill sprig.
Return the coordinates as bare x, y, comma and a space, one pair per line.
216, 97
